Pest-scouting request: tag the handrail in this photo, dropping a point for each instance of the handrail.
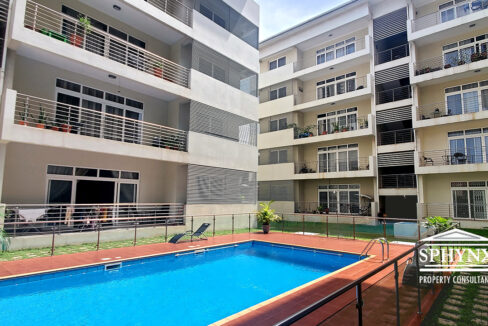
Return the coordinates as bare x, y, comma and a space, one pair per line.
69, 30
319, 303
171, 7
370, 245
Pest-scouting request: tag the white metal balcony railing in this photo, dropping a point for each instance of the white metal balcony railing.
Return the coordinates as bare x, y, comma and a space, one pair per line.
359, 44
461, 9
175, 9
329, 166
71, 31
454, 156
331, 128
45, 114
441, 62
31, 219
464, 105
464, 211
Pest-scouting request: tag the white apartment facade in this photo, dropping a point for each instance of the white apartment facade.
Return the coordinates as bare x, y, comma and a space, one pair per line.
378, 106
143, 102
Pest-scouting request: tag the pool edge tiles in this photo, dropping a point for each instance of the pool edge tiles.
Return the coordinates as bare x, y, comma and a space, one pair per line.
246, 311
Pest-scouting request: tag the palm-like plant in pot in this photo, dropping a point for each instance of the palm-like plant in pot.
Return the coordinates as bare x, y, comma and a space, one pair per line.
267, 215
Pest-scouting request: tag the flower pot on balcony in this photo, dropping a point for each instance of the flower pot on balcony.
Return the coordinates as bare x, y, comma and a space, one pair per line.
310, 134
324, 133
158, 72
23, 123
65, 127
54, 128
76, 40
40, 125
483, 55
461, 62
475, 57
345, 129
447, 66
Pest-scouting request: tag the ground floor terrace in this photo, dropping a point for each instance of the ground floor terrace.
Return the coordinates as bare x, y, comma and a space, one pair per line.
378, 290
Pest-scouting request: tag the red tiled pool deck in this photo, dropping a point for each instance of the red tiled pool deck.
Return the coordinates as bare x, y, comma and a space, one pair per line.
266, 313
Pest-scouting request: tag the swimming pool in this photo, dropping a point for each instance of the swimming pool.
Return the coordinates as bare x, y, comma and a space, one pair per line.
196, 287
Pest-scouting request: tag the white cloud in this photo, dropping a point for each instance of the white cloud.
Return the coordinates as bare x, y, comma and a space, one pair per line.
278, 15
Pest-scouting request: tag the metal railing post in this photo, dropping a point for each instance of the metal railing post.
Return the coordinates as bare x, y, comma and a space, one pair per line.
354, 228
327, 225
303, 224
282, 223
213, 231
98, 235
52, 243
135, 233
384, 229
419, 300
397, 294
232, 223
418, 230
359, 304
249, 222
191, 237
166, 230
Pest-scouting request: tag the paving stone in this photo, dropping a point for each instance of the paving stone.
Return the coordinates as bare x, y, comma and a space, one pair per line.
482, 296
453, 301
459, 287
454, 306
446, 322
480, 307
449, 315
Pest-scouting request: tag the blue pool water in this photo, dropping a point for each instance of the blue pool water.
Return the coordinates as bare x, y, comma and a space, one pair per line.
190, 289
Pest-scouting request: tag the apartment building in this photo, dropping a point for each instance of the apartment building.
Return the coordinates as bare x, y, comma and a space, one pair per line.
151, 103
378, 106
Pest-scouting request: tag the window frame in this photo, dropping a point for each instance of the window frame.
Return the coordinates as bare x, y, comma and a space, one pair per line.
323, 53
277, 63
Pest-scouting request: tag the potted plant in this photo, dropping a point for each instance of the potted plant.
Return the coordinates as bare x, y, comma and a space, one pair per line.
326, 210
85, 24
461, 62
320, 209
345, 128
66, 127
447, 66
483, 55
475, 57
439, 224
335, 127
4, 241
23, 115
158, 69
267, 215
41, 120
324, 132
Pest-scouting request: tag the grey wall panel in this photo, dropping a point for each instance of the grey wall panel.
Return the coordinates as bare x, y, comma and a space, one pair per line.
392, 74
211, 185
394, 115
395, 159
275, 190
390, 24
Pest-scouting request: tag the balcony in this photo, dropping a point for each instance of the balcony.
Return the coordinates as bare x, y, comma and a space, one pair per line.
469, 109
395, 53
461, 11
338, 168
82, 47
175, 9
29, 119
394, 137
448, 161
446, 69
394, 95
398, 181
464, 212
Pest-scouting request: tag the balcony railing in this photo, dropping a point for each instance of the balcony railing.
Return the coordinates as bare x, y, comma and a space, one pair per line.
395, 53
325, 129
454, 157
45, 114
31, 219
440, 62
339, 87
394, 94
333, 208
337, 165
463, 211
447, 109
462, 9
396, 181
395, 137
175, 9
312, 60
71, 31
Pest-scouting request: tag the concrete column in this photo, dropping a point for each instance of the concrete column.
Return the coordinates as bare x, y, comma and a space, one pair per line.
3, 152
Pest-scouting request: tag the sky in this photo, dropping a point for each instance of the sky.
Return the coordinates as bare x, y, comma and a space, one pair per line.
278, 15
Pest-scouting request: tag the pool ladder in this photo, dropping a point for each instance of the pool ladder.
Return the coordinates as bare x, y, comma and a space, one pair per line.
370, 245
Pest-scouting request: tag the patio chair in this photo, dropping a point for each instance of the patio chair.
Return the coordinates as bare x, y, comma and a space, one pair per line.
200, 234
428, 160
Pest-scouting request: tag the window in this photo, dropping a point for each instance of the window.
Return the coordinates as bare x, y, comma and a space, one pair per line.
336, 86
279, 156
467, 98
469, 199
277, 93
461, 52
277, 63
90, 120
459, 8
467, 147
342, 199
338, 121
280, 124
337, 50
338, 158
